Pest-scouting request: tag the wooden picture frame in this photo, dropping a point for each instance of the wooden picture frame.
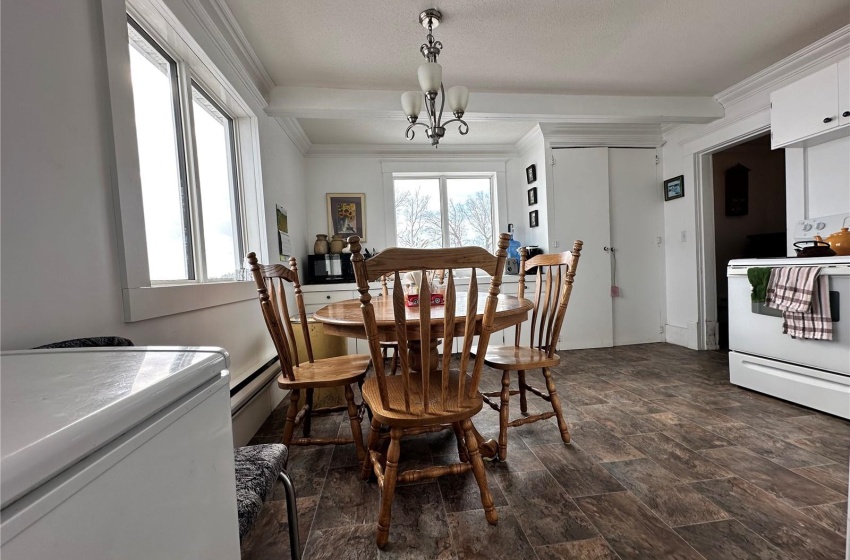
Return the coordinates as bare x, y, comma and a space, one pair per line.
347, 214
532, 196
674, 188
531, 173
533, 220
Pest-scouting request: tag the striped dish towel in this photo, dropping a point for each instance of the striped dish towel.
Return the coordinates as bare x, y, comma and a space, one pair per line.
802, 295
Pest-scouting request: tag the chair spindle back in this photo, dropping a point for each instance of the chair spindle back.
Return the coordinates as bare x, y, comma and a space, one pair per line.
392, 263
551, 294
270, 281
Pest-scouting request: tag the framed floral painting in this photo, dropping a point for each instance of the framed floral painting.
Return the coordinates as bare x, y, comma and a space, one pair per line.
347, 214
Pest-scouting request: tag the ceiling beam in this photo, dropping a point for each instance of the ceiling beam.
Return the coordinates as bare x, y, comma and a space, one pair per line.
328, 103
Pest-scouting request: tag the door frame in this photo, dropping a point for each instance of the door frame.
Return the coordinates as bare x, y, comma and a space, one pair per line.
703, 175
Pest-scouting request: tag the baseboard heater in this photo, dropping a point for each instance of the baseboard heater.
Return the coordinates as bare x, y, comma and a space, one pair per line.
243, 392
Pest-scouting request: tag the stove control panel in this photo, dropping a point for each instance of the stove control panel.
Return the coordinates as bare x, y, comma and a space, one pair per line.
823, 226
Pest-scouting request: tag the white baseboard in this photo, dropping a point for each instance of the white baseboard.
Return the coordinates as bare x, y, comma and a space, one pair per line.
682, 336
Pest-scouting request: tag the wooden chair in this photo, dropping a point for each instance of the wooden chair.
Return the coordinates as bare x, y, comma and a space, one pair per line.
312, 374
439, 276
387, 346
417, 403
550, 306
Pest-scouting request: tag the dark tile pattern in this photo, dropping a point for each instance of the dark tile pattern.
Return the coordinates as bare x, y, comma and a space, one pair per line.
668, 460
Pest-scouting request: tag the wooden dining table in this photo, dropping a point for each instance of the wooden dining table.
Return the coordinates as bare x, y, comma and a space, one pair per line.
344, 318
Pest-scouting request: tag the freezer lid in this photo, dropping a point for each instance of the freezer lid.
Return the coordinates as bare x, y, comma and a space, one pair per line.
58, 406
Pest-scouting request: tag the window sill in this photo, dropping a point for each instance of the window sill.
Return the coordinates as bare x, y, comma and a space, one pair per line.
159, 301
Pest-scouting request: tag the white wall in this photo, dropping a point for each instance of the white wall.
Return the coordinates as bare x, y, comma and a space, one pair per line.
365, 174
535, 154
60, 275
828, 178
747, 116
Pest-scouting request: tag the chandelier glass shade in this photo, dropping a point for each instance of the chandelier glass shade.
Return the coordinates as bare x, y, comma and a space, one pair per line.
431, 82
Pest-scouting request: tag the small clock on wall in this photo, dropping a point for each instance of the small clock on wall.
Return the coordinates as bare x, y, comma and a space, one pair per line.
531, 173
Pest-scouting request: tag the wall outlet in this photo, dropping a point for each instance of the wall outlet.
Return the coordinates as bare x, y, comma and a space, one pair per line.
556, 244
684, 237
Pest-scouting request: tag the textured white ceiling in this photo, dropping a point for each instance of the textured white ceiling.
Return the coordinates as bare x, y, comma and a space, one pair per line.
628, 47
386, 131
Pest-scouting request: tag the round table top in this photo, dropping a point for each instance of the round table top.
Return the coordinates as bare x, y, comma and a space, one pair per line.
346, 318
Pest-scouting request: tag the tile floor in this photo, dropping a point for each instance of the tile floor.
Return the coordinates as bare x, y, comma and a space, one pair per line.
668, 460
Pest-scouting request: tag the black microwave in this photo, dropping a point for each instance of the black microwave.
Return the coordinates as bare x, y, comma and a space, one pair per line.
328, 269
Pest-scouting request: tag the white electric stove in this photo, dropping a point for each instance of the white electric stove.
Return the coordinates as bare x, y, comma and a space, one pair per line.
813, 373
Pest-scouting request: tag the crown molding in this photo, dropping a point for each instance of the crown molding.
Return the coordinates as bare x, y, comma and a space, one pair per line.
203, 16
238, 38
637, 135
529, 140
831, 48
419, 151
296, 133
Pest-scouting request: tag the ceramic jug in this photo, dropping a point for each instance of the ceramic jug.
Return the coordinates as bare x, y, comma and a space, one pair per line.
337, 244
320, 247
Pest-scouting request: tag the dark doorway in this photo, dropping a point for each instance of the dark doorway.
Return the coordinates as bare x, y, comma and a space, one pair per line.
749, 212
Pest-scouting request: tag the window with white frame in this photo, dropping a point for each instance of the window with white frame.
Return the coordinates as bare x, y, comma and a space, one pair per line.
433, 211
188, 157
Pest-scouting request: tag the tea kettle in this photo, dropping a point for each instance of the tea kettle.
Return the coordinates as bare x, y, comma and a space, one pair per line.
817, 247
840, 241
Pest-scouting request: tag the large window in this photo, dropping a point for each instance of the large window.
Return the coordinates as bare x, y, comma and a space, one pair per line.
187, 163
444, 211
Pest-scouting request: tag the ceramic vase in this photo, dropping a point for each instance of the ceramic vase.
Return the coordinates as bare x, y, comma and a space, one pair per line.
320, 247
337, 244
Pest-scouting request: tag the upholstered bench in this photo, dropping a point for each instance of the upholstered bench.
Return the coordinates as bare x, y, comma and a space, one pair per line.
257, 469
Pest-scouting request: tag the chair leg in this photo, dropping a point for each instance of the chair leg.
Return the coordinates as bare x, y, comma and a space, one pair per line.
354, 418
480, 475
394, 362
504, 415
308, 415
556, 406
462, 452
523, 401
388, 491
291, 516
289, 427
372, 445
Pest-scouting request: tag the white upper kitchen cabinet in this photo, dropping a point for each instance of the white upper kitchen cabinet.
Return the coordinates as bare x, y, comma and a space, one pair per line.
803, 111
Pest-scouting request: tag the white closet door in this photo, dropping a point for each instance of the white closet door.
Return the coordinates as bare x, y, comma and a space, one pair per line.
636, 204
581, 212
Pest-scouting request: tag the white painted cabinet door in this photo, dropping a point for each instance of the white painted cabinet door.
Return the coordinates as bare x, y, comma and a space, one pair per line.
806, 107
581, 202
844, 91
637, 224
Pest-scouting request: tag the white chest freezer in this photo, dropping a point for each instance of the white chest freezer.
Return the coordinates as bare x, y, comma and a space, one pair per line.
116, 453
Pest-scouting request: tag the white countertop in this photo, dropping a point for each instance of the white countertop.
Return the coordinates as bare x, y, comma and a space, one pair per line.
792, 261
58, 406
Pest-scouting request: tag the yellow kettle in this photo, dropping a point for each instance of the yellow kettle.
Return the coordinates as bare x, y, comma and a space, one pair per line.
840, 241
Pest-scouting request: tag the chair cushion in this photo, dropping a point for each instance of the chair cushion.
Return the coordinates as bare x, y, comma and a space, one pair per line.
92, 342
257, 469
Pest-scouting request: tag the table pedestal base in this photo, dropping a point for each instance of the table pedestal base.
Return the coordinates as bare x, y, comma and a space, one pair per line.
488, 448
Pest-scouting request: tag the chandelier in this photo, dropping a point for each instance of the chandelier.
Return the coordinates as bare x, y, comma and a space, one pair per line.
431, 82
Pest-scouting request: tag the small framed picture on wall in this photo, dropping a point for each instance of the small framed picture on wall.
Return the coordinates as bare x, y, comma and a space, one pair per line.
532, 196
531, 173
674, 188
532, 219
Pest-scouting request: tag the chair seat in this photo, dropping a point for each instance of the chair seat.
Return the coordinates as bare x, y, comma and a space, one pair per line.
518, 358
396, 415
257, 468
327, 372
